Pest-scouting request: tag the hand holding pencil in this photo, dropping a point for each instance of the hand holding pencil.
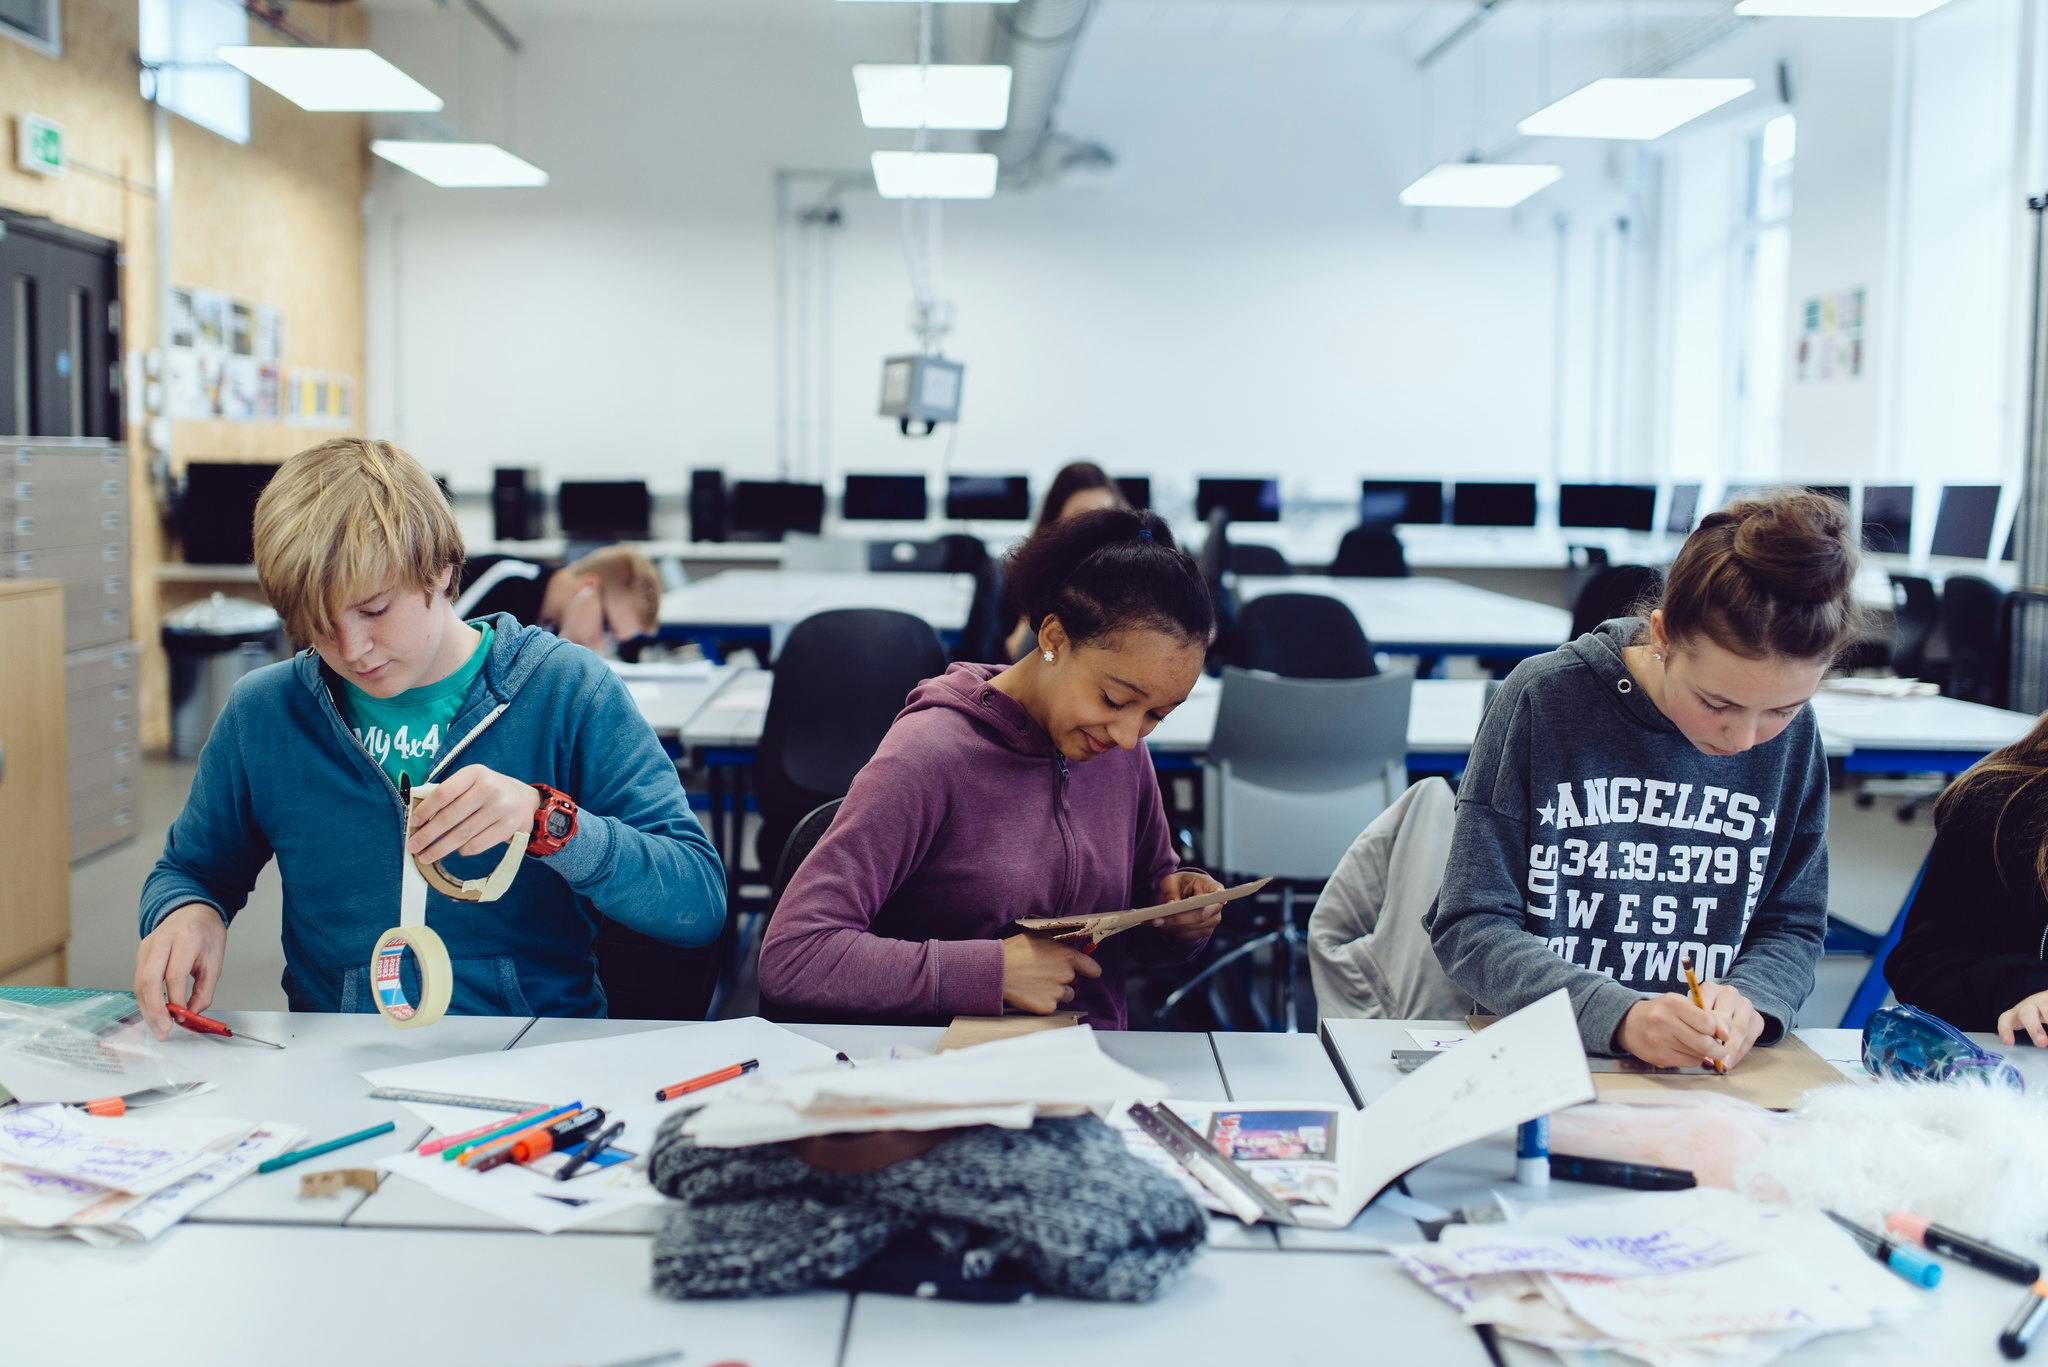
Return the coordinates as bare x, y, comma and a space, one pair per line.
1739, 1025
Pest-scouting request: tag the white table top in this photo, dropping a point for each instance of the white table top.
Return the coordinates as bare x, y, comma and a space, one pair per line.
1932, 723
1443, 718
782, 598
218, 1289
208, 1295
1422, 613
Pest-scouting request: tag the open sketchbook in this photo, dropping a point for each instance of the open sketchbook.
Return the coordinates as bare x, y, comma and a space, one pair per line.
1326, 1163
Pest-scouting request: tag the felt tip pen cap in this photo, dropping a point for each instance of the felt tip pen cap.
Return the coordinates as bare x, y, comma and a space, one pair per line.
1908, 1226
1914, 1268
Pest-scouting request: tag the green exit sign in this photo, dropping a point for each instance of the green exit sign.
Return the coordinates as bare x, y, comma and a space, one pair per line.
39, 145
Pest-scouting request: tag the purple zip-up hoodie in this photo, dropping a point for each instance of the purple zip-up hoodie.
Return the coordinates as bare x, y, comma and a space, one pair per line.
967, 819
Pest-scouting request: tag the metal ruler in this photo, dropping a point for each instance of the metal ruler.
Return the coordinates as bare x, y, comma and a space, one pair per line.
1408, 1060
481, 1103
1236, 1188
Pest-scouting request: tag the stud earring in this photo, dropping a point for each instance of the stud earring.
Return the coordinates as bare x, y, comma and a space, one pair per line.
1048, 657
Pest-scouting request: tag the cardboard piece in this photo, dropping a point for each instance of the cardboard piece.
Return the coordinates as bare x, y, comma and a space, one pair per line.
967, 1031
1773, 1076
339, 1179
1099, 927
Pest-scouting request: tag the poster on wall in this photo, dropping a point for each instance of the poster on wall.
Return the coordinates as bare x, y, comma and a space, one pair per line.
226, 358
1830, 345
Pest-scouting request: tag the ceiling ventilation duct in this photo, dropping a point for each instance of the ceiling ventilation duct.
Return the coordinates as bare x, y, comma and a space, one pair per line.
1036, 39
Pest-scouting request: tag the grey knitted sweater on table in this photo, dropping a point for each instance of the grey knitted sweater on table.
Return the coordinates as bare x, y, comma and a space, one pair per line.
1596, 847
1064, 1201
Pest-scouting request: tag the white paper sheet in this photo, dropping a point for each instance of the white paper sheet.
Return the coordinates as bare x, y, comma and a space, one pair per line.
528, 1198
1492, 1082
1005, 1082
144, 1218
138, 1154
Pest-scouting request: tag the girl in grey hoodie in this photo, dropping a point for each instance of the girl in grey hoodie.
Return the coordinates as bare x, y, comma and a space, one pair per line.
1001, 793
1653, 796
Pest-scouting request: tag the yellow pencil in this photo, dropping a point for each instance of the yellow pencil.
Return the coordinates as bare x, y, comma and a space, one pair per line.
1693, 984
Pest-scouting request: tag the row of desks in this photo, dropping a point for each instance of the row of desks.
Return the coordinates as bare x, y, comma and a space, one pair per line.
1427, 617
261, 1276
720, 708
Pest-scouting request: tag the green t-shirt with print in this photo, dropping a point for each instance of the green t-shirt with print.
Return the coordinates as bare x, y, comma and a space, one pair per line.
408, 733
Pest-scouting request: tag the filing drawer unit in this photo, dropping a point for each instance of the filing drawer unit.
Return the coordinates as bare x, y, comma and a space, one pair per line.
105, 757
64, 516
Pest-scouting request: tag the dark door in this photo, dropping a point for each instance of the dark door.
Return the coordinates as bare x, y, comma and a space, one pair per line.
60, 346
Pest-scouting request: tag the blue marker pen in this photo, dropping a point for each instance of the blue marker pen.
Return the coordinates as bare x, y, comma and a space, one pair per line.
1532, 1152
1908, 1264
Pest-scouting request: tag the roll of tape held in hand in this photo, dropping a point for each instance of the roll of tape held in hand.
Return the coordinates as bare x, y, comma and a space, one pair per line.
387, 988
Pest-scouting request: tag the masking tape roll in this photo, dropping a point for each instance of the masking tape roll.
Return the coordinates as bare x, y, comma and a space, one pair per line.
437, 974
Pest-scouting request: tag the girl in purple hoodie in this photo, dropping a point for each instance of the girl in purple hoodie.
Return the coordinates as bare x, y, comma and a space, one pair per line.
1001, 793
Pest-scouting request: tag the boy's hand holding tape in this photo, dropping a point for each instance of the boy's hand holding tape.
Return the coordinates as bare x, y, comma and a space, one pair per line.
474, 810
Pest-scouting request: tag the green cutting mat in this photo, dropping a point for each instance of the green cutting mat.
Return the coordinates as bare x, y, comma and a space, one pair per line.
91, 1008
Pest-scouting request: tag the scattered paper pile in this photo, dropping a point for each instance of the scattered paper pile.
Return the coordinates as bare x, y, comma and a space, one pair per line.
111, 1180
1008, 1083
1670, 1278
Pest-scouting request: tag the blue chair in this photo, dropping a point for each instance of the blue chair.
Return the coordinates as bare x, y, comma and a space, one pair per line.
1870, 993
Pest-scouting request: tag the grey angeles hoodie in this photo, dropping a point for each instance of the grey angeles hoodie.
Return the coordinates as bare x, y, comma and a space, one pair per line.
1596, 846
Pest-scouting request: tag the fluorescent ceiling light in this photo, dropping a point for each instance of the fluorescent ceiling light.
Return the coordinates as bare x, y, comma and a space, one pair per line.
461, 165
1479, 185
332, 79
933, 96
964, 2
1639, 109
1838, 9
935, 175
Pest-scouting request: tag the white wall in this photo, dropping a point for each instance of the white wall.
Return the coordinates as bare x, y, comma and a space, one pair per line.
1244, 293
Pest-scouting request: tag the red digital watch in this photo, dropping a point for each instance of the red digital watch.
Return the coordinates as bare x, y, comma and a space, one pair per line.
554, 822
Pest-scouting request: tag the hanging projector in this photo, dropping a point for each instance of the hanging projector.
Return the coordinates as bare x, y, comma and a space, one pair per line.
921, 389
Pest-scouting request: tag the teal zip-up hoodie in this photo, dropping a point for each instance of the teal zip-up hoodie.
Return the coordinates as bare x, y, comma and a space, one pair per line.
281, 775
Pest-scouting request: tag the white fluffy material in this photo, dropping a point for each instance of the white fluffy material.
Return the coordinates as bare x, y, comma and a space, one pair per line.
1966, 1154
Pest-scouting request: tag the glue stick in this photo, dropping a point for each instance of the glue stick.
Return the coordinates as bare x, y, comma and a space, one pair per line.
1532, 1152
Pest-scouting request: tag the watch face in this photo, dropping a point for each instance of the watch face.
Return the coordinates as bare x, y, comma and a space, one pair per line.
558, 824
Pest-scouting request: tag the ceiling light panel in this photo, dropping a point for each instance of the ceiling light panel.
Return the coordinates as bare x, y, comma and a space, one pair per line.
329, 80
914, 96
1636, 109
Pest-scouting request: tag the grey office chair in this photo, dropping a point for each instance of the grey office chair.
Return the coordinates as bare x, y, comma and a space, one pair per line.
1297, 768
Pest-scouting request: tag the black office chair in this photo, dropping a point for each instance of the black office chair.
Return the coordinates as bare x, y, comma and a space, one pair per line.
1613, 591
802, 840
840, 680
1972, 620
648, 979
987, 628
1370, 552
1916, 612
1213, 561
1302, 636
1256, 559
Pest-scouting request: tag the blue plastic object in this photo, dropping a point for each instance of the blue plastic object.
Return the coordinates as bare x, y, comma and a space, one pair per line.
1906, 1042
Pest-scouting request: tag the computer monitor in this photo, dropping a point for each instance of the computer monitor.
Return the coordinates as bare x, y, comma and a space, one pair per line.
1415, 502
768, 510
2012, 537
1888, 518
884, 498
1493, 505
604, 510
1136, 489
988, 498
1684, 510
1838, 492
217, 514
1622, 507
1246, 500
1962, 525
